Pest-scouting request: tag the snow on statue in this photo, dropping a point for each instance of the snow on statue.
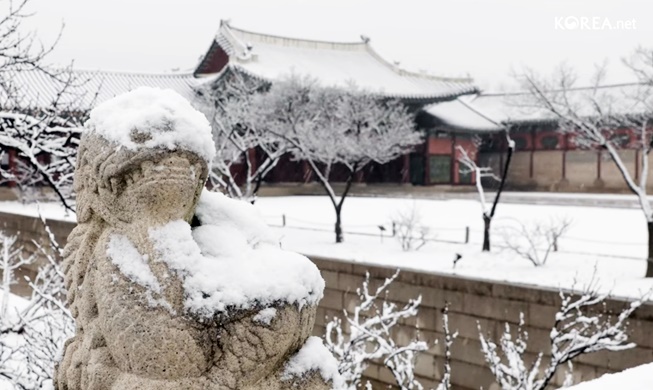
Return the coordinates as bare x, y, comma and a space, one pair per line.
173, 287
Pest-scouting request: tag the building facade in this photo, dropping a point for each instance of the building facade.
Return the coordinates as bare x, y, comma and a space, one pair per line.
451, 112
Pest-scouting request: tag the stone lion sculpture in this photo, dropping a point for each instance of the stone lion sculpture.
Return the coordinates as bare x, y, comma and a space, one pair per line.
173, 287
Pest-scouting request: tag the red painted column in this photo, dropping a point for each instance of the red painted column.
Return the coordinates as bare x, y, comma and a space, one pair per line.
12, 166
405, 169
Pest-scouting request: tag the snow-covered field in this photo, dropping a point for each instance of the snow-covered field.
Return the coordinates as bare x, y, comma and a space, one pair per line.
608, 242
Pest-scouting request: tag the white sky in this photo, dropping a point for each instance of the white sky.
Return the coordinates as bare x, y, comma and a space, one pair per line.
483, 38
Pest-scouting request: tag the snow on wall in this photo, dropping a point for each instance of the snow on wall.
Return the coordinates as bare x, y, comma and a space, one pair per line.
162, 116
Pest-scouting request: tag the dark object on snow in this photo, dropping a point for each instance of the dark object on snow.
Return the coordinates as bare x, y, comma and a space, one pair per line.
456, 259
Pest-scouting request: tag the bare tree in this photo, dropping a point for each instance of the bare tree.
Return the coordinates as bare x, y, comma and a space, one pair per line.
535, 241
580, 327
329, 128
45, 147
370, 338
240, 135
32, 333
469, 165
42, 137
595, 117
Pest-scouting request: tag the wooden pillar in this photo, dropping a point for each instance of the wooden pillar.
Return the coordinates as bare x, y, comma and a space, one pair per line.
565, 147
307, 172
359, 176
405, 169
531, 168
12, 166
427, 168
452, 167
598, 165
636, 164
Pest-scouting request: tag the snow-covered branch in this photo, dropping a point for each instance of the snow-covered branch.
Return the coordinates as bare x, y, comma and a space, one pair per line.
32, 332
581, 327
331, 127
469, 165
246, 150
370, 338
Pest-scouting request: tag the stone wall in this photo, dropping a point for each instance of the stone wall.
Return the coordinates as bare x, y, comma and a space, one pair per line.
568, 171
31, 233
471, 302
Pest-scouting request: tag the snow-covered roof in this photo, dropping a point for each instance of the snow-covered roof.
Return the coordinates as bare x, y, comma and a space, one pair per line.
460, 114
38, 89
485, 112
272, 57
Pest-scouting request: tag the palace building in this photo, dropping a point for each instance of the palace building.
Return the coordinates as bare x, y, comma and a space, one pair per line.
450, 111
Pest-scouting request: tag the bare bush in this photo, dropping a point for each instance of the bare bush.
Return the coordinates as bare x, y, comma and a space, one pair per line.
581, 326
370, 338
407, 227
535, 241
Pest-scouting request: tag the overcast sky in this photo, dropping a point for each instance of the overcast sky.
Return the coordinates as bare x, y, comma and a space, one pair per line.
486, 39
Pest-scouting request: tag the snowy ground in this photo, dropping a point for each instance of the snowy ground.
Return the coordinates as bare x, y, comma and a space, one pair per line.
634, 378
610, 240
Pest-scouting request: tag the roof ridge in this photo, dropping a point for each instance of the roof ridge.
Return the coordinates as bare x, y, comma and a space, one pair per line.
224, 23
407, 72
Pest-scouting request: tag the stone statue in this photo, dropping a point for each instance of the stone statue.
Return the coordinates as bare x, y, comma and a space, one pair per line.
172, 287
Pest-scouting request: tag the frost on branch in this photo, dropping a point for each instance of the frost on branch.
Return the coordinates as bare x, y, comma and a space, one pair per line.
246, 150
37, 139
370, 338
582, 325
32, 332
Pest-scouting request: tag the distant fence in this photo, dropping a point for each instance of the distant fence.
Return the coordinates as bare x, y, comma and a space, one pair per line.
471, 302
452, 235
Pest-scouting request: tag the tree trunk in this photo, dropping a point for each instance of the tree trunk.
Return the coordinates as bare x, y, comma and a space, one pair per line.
486, 232
649, 261
339, 236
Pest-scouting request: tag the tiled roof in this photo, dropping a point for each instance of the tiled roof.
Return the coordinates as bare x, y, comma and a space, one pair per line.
332, 63
37, 89
486, 112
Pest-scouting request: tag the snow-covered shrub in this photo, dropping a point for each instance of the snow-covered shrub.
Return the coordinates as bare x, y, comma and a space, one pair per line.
32, 331
535, 241
408, 228
581, 327
370, 338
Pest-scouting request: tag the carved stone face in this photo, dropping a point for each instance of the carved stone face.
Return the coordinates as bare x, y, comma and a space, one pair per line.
159, 189
148, 185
